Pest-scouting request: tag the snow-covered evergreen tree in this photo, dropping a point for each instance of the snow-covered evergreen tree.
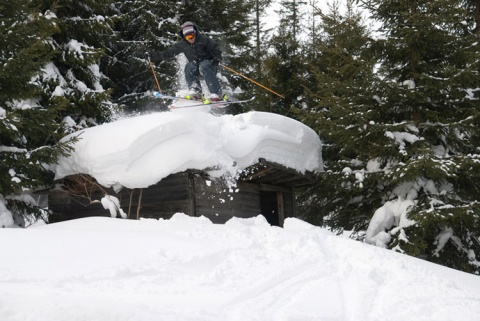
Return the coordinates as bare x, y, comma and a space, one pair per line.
29, 121
74, 75
421, 140
141, 25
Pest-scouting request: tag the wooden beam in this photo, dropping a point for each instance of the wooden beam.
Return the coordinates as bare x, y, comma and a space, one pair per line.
266, 187
276, 174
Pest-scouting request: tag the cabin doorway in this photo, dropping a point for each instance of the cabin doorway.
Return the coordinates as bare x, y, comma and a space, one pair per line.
271, 205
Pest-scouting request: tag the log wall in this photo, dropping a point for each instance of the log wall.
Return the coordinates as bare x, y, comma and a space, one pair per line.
189, 193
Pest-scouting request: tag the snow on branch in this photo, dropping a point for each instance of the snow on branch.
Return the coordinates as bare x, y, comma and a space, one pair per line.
84, 186
112, 204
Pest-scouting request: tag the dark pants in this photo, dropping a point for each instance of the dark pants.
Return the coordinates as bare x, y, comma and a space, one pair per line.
207, 71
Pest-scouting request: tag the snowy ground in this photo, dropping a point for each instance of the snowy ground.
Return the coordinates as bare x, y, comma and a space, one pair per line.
190, 269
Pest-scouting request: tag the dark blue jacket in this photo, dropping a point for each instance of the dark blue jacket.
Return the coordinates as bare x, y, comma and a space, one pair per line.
202, 49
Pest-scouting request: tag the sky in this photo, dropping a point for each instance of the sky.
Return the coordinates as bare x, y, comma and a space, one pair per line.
189, 269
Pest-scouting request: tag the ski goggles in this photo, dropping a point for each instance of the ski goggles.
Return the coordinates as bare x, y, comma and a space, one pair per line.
190, 36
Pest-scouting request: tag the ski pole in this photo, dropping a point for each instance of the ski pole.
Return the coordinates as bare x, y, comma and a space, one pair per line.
253, 81
153, 71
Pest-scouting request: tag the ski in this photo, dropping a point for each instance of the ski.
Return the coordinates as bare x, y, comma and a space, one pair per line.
216, 104
156, 94
198, 102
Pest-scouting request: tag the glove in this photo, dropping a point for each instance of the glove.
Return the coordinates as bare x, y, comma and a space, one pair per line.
215, 62
154, 56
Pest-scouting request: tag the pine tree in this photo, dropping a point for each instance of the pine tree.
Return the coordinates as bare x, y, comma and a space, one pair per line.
141, 26
29, 123
74, 78
338, 89
423, 131
259, 10
284, 67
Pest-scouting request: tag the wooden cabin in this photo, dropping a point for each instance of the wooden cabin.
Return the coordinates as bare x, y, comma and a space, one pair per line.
265, 188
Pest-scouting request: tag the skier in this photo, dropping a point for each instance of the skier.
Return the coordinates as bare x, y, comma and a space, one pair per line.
203, 56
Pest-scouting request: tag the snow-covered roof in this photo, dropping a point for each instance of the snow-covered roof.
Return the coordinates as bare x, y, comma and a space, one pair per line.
139, 151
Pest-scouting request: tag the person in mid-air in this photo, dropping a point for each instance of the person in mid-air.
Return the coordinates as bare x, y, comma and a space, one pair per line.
203, 55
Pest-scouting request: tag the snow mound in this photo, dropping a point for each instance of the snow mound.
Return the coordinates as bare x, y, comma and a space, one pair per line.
139, 151
187, 268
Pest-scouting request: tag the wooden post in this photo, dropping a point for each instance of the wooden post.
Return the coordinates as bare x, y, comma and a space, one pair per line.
130, 192
139, 204
191, 194
281, 209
